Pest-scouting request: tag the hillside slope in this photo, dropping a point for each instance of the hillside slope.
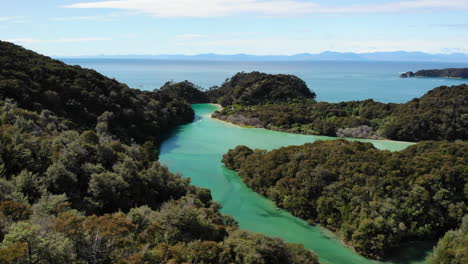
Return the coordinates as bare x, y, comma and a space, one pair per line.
260, 88
38, 82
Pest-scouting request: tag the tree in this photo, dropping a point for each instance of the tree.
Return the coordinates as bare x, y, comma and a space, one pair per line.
42, 246
452, 247
108, 191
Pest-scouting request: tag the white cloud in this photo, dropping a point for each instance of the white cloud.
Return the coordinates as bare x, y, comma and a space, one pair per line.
219, 8
403, 6
104, 17
206, 8
79, 18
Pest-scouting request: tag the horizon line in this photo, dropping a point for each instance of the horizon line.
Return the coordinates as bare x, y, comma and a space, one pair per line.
265, 55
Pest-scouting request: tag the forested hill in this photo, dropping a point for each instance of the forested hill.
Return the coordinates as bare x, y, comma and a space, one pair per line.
260, 88
374, 199
445, 73
186, 90
440, 114
75, 188
83, 96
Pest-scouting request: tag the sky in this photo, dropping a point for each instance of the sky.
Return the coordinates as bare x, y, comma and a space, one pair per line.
260, 27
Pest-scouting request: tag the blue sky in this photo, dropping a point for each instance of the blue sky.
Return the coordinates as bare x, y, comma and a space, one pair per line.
93, 27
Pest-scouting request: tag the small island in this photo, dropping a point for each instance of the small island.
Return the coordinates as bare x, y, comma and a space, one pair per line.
459, 73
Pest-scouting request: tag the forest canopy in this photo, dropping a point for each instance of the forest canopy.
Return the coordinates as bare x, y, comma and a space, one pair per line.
82, 96
259, 88
186, 90
374, 199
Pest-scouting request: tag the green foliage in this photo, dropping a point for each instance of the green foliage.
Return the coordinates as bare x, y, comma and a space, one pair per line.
42, 245
374, 199
452, 247
182, 231
441, 114
177, 222
184, 220
79, 95
260, 88
186, 90
97, 175
256, 249
14, 211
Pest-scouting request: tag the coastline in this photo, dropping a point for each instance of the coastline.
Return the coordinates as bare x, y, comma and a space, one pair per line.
289, 132
210, 115
220, 107
441, 77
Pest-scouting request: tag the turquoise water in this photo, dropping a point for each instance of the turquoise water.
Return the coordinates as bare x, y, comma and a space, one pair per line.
196, 149
333, 81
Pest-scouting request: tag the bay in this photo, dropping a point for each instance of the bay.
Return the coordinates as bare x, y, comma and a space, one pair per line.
196, 150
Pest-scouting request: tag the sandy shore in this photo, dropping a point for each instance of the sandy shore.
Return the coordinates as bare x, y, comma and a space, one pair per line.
219, 108
232, 124
222, 121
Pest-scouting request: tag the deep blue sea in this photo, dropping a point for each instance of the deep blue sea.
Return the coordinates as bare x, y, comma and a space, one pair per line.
333, 81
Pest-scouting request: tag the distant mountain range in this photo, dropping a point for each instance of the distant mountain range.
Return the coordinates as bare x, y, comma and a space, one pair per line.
324, 56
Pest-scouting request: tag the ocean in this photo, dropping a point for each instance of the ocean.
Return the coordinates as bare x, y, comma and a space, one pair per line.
332, 81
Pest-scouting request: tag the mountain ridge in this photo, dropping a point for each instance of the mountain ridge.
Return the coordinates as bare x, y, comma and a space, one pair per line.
324, 56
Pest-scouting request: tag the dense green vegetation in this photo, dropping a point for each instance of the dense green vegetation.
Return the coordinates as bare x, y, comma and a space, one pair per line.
446, 73
259, 88
440, 114
186, 90
452, 247
82, 96
71, 197
77, 185
375, 200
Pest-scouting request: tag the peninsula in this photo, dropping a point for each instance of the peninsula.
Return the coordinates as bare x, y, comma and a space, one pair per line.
284, 103
461, 73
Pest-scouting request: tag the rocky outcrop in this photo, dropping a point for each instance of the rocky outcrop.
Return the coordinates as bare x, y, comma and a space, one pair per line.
407, 74
358, 132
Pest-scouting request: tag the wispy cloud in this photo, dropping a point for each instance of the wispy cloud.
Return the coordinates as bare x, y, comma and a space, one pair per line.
26, 41
9, 18
218, 8
454, 26
104, 17
79, 18
13, 19
189, 36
